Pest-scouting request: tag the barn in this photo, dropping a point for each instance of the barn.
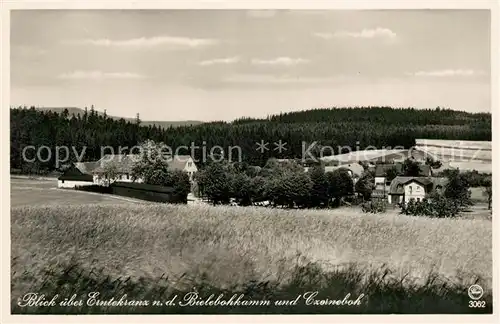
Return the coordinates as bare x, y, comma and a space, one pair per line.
74, 176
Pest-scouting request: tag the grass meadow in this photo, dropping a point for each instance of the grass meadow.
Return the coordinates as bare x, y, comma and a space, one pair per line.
153, 251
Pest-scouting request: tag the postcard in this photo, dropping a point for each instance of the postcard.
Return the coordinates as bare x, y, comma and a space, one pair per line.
174, 159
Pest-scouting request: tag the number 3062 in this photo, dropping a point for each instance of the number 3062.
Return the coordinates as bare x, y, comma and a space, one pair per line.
477, 304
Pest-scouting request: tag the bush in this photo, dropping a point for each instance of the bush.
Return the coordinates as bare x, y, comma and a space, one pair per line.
456, 198
436, 205
374, 206
179, 180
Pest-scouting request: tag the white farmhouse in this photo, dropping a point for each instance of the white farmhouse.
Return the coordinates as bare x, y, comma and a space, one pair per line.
125, 162
88, 173
404, 189
183, 163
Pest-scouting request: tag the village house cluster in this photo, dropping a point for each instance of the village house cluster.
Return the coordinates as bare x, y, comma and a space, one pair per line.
93, 173
461, 155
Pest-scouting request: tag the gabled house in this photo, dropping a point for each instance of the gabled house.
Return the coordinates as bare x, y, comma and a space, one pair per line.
383, 184
183, 163
403, 189
75, 175
88, 173
125, 163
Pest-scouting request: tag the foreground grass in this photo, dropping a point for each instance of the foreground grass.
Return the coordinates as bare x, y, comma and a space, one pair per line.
402, 264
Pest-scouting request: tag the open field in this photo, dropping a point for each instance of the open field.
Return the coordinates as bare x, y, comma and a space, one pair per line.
229, 247
31, 192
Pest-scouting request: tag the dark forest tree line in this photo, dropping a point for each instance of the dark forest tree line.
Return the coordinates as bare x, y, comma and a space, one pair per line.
356, 128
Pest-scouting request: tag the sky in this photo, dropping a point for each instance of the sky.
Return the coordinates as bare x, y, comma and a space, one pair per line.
226, 64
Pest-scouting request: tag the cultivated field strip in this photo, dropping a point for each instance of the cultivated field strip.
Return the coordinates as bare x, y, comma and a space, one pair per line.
233, 245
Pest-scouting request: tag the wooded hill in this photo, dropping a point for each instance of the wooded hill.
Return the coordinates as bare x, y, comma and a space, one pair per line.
354, 127
79, 111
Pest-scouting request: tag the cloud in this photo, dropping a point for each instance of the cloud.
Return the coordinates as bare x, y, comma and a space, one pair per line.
283, 61
261, 13
378, 32
323, 35
447, 73
99, 75
145, 42
227, 60
283, 79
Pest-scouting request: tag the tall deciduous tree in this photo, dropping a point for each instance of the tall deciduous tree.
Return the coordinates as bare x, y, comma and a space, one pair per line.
320, 186
153, 168
411, 168
457, 189
215, 181
340, 185
365, 185
488, 190
392, 173
110, 174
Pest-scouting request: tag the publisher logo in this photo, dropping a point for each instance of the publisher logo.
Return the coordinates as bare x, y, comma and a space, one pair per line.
475, 292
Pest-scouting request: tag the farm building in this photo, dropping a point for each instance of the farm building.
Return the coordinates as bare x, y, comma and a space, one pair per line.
403, 189
382, 184
87, 173
75, 175
125, 162
183, 163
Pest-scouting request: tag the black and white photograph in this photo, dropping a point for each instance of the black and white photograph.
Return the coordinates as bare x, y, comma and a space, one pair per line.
250, 161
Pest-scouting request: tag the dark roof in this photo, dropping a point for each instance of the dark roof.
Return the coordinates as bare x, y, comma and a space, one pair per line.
381, 169
75, 174
397, 184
